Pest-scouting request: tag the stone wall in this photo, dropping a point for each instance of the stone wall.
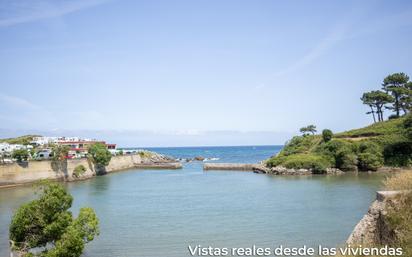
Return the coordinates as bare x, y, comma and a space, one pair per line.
15, 174
372, 228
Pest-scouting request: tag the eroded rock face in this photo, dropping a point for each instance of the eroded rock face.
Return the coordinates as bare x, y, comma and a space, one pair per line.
280, 170
373, 228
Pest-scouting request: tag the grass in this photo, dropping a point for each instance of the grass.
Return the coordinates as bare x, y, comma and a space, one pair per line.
389, 137
399, 211
378, 129
22, 140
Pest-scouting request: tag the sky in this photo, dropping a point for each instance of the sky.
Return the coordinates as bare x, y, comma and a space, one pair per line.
185, 73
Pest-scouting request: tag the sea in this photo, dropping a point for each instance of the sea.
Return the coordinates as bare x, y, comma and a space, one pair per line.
161, 213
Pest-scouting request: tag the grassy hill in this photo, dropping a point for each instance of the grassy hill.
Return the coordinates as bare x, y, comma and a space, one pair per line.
23, 140
368, 148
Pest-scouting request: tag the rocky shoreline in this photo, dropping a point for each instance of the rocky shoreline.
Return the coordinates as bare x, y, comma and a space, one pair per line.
262, 169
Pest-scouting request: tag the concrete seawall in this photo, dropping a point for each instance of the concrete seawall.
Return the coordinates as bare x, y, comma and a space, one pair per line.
235, 166
22, 173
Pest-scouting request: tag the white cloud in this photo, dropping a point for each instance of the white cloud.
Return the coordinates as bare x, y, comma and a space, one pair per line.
17, 12
14, 101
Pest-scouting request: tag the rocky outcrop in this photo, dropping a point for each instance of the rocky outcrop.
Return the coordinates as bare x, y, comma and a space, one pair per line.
280, 170
373, 229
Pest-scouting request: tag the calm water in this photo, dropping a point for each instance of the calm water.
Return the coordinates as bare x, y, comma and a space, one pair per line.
160, 212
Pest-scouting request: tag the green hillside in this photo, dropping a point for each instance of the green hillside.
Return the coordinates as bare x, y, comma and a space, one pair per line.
23, 140
369, 148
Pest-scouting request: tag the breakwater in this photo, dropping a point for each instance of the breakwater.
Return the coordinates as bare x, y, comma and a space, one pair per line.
29, 172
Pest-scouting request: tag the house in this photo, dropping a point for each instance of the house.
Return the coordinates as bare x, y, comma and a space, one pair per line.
79, 148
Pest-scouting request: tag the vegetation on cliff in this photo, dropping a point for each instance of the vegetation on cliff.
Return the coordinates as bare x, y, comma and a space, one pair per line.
45, 226
382, 143
399, 216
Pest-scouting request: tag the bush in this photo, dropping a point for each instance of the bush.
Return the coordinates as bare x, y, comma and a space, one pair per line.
99, 154
399, 216
407, 124
341, 153
399, 181
327, 135
20, 155
346, 160
369, 161
370, 156
79, 170
393, 116
398, 154
316, 163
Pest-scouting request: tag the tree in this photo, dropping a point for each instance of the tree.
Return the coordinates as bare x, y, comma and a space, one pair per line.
327, 135
47, 221
308, 129
20, 155
60, 152
376, 100
99, 154
406, 99
396, 85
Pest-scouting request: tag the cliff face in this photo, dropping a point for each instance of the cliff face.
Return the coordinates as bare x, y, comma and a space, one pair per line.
373, 229
21, 173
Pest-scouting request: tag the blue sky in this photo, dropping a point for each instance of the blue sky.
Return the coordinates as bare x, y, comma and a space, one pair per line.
172, 73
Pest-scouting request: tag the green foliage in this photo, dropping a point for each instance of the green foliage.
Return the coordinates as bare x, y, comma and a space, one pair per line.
407, 124
60, 152
376, 100
399, 219
20, 155
299, 144
99, 154
145, 154
23, 140
379, 129
316, 163
79, 170
397, 84
48, 221
346, 160
327, 135
398, 154
308, 129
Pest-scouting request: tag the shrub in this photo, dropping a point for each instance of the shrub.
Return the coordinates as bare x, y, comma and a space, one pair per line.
327, 135
339, 152
369, 161
407, 124
346, 160
399, 181
145, 154
20, 155
99, 154
393, 116
316, 163
398, 154
399, 216
79, 170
